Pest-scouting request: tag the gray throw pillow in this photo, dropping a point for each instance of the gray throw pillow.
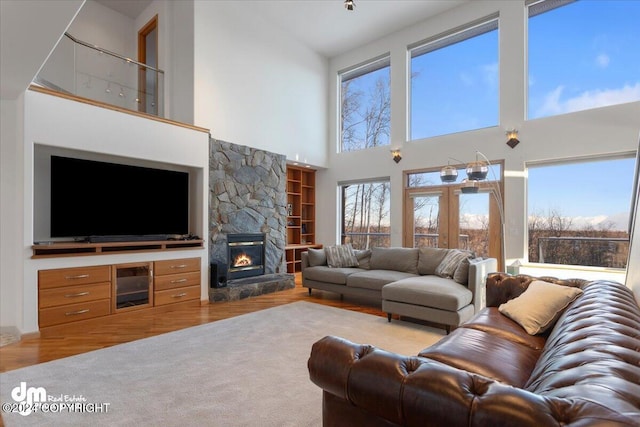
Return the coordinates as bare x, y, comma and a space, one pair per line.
450, 263
340, 256
364, 258
429, 259
461, 275
316, 257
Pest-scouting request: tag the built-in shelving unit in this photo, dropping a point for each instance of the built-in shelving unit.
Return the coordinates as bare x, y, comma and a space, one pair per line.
301, 214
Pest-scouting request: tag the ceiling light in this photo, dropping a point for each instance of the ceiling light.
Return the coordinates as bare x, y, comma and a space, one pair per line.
349, 4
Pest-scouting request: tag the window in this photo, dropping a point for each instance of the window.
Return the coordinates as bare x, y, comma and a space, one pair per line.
365, 106
454, 81
578, 213
582, 55
365, 214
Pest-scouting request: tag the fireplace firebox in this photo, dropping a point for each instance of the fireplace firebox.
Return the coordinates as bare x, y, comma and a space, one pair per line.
245, 255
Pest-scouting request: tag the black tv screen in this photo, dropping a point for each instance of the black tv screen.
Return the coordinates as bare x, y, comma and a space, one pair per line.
92, 198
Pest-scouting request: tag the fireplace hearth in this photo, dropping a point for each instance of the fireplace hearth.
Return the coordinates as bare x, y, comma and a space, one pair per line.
245, 255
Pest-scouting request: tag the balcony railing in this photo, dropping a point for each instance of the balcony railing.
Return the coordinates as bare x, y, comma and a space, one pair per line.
84, 70
607, 252
367, 240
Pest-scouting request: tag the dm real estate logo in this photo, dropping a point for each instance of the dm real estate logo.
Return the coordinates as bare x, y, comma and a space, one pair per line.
28, 399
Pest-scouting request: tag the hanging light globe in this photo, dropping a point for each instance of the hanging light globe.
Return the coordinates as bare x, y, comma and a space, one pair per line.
448, 174
469, 186
477, 171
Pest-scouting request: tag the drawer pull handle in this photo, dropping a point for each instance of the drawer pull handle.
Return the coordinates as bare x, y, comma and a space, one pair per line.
184, 294
73, 313
179, 281
79, 276
79, 294
179, 266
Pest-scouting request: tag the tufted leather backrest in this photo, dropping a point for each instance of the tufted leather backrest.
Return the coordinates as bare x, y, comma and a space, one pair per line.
593, 352
501, 287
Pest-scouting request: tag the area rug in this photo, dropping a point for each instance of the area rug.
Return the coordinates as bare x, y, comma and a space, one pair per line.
249, 370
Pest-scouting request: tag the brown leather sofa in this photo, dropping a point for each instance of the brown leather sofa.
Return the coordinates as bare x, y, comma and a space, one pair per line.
585, 371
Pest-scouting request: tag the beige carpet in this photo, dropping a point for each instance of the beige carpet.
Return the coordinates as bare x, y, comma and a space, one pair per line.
250, 370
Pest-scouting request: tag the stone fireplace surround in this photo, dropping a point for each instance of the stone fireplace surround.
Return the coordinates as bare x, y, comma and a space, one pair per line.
247, 194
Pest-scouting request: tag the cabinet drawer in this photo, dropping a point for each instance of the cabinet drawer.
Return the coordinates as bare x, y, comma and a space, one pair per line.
171, 296
175, 266
73, 276
72, 312
74, 294
171, 281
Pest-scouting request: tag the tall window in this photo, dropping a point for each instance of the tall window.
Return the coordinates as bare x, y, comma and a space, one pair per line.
365, 106
365, 214
579, 212
454, 81
582, 55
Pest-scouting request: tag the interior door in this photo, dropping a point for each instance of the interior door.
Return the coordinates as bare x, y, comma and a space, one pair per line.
148, 78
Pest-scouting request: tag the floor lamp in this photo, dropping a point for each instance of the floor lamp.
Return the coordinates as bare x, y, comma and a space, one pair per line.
477, 171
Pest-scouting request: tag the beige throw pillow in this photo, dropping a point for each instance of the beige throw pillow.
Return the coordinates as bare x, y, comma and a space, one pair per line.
339, 256
538, 308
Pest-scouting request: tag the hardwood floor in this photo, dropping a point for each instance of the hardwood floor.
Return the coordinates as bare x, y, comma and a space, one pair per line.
33, 350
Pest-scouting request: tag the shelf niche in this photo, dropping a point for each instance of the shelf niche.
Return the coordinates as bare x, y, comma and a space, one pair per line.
301, 215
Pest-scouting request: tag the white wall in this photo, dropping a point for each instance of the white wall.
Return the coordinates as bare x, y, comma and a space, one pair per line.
257, 86
61, 123
581, 134
11, 223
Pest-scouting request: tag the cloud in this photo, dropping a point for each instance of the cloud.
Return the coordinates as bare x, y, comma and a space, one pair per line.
603, 60
490, 74
553, 104
466, 79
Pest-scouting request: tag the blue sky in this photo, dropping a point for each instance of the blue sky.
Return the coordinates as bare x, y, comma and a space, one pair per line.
596, 47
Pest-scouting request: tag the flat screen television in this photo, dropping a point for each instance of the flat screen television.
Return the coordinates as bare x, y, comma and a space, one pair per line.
108, 201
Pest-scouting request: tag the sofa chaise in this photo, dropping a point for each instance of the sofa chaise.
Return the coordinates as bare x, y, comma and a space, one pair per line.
443, 286
570, 357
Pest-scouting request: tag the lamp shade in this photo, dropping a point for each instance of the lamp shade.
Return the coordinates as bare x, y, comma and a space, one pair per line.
477, 171
469, 186
448, 174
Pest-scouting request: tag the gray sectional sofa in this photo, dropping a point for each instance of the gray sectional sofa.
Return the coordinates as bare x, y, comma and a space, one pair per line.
412, 282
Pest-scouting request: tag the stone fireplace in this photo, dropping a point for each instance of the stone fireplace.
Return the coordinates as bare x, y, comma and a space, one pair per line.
247, 194
247, 197
246, 255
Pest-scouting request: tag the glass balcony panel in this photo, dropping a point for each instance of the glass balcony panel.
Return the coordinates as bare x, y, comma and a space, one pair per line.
77, 68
